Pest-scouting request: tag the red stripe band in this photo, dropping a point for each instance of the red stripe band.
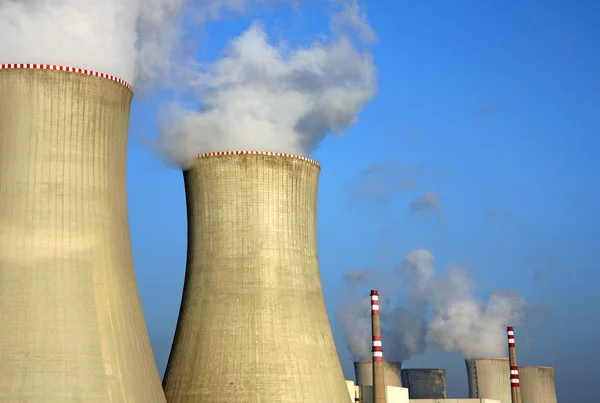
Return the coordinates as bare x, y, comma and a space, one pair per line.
65, 68
269, 153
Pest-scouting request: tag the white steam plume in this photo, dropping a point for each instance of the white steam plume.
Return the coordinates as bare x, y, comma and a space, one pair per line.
460, 321
264, 97
126, 38
402, 332
444, 311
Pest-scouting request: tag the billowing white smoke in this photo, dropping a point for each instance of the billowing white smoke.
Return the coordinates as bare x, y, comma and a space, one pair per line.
460, 321
264, 97
258, 96
403, 333
444, 312
126, 38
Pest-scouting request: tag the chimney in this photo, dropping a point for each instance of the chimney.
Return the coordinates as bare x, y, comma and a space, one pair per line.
378, 379
515, 389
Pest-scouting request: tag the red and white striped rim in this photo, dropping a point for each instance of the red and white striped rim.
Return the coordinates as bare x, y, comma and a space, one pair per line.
269, 153
514, 377
511, 336
66, 68
374, 302
377, 347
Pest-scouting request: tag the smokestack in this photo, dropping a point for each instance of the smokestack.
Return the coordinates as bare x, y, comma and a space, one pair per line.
425, 383
538, 384
72, 321
515, 389
489, 378
378, 377
253, 322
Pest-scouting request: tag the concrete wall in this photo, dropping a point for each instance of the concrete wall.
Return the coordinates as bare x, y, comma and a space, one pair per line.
393, 394
363, 370
72, 323
489, 378
425, 383
253, 324
537, 384
353, 390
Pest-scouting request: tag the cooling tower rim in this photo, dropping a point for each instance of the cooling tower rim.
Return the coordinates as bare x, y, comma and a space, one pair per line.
67, 69
486, 359
536, 366
252, 152
423, 369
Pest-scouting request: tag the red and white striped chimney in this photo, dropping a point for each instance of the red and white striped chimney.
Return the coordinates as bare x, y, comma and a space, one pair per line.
515, 387
378, 379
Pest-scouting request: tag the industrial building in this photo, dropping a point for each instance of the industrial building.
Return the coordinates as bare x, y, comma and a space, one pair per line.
72, 323
394, 394
425, 383
253, 324
537, 384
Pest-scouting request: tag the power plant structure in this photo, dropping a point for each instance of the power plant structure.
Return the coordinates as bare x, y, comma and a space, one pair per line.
72, 323
425, 383
537, 384
363, 372
379, 390
515, 389
253, 326
489, 378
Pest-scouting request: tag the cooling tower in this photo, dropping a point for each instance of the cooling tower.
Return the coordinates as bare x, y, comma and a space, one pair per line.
363, 370
489, 378
425, 383
537, 384
253, 325
72, 323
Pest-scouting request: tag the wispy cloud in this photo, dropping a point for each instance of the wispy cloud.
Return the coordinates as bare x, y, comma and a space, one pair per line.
427, 202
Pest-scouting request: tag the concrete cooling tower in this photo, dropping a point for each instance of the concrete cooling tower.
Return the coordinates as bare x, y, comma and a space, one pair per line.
72, 323
537, 384
363, 371
489, 378
253, 325
425, 383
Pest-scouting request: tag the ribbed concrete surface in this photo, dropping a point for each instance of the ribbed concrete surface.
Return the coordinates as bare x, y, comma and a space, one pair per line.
253, 325
537, 384
72, 324
425, 383
363, 371
489, 378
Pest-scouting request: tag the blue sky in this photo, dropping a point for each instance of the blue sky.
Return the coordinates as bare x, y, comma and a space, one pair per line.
498, 104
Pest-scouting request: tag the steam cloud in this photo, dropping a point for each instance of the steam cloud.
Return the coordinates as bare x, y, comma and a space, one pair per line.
264, 97
444, 312
131, 39
258, 96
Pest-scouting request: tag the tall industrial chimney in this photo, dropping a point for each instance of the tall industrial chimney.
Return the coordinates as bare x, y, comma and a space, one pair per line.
515, 389
72, 323
253, 324
489, 378
537, 384
378, 376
